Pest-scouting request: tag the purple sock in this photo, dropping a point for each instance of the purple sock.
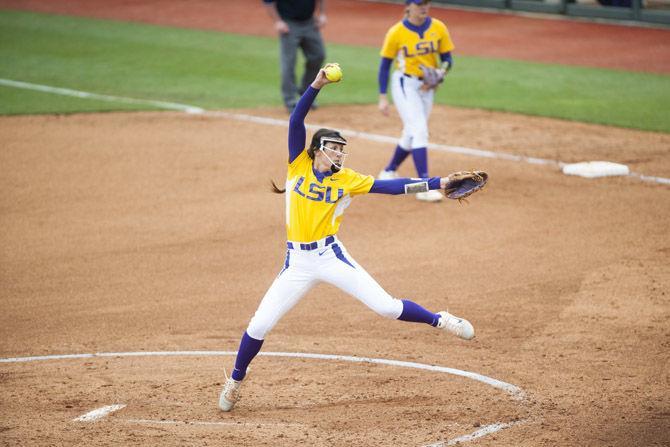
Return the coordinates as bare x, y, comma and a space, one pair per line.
399, 156
420, 156
249, 347
415, 313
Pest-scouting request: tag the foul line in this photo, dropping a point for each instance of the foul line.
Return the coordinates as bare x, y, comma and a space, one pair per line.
472, 152
190, 109
108, 98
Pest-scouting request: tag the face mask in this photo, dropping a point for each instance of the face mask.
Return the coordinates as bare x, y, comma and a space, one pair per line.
333, 154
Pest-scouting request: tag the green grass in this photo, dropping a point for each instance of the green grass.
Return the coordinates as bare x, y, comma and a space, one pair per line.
217, 70
621, 98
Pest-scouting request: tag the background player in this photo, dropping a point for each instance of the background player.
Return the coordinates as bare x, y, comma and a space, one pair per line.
297, 26
415, 41
318, 190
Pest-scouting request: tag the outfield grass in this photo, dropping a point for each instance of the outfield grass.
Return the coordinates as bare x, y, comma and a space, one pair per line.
217, 70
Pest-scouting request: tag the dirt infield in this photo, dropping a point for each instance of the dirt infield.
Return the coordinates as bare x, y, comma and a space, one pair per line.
137, 232
131, 232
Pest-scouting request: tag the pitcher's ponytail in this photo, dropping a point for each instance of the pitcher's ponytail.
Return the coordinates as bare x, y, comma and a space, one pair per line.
276, 189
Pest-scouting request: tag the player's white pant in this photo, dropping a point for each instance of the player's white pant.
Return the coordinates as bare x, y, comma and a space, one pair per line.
414, 106
304, 269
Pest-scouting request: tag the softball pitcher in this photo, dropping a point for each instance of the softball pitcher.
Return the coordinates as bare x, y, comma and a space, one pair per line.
421, 47
318, 189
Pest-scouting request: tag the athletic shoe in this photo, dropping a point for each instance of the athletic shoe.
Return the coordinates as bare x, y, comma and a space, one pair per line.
230, 394
430, 196
387, 175
460, 327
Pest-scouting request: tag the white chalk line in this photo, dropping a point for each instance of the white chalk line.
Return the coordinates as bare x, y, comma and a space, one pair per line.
190, 109
485, 430
211, 423
650, 178
514, 391
107, 98
481, 432
98, 413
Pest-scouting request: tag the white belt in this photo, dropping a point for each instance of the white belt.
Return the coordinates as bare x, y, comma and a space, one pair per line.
308, 246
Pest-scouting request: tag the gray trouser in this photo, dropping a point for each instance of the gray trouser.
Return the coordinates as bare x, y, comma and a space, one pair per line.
305, 35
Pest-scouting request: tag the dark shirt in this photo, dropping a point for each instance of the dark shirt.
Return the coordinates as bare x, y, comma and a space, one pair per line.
298, 10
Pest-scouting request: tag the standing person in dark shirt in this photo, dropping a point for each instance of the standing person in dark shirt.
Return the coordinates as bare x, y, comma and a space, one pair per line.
298, 26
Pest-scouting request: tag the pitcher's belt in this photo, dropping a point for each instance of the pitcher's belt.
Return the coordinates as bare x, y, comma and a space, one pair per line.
310, 245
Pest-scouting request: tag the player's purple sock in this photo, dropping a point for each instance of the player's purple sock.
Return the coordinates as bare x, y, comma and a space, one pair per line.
414, 312
249, 347
399, 156
420, 156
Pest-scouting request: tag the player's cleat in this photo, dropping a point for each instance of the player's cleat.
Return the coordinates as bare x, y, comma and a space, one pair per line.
460, 327
430, 196
230, 394
387, 175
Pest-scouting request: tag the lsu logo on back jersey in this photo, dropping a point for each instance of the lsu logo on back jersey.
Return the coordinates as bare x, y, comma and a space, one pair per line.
412, 49
314, 207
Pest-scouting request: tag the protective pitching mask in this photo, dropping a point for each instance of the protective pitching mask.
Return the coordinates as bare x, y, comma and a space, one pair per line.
335, 157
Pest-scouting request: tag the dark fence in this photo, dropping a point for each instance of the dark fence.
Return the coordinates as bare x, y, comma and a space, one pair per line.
650, 11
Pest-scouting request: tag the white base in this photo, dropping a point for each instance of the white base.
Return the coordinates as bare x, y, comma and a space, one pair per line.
593, 169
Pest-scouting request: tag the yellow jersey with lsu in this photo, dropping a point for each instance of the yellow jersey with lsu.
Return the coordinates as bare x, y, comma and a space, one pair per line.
413, 46
315, 204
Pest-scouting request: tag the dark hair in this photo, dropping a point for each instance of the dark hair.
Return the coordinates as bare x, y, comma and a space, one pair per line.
316, 140
275, 188
313, 147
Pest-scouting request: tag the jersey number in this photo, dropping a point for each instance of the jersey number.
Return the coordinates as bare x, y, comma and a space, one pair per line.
317, 192
421, 49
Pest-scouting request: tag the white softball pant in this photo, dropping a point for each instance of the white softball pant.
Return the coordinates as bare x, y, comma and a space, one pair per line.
305, 268
414, 106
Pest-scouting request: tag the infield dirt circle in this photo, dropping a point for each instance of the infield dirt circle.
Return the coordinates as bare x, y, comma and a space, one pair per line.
130, 232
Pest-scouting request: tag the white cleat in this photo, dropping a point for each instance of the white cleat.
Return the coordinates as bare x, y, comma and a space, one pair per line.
430, 196
387, 175
460, 327
230, 394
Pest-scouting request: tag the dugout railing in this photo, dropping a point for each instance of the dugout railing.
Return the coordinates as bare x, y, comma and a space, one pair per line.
647, 11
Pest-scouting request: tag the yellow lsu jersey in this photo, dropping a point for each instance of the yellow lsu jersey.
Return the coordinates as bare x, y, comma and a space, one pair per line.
411, 49
314, 207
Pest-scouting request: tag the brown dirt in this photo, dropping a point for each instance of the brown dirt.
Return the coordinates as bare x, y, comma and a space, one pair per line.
130, 232
157, 231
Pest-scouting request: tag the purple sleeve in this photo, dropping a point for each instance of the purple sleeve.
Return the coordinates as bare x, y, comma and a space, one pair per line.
397, 185
446, 57
383, 76
296, 124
